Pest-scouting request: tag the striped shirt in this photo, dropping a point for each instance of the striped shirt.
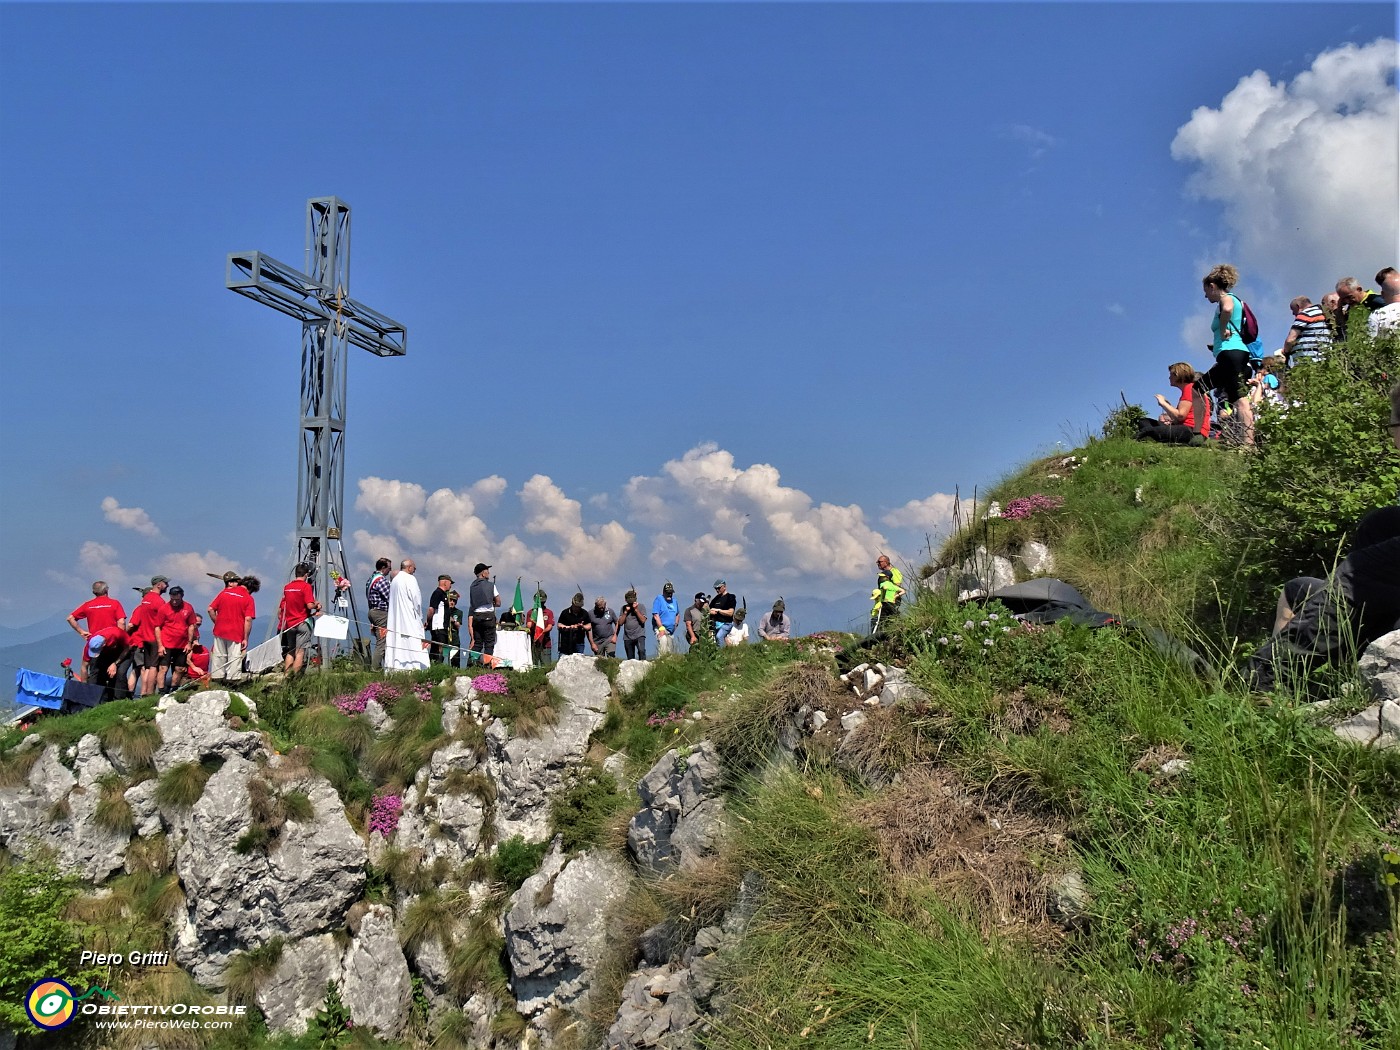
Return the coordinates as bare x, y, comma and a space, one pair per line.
1314, 335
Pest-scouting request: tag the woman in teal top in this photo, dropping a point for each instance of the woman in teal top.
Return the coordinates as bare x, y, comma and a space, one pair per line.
1232, 371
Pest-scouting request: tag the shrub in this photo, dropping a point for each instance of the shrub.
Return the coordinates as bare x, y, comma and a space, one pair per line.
583, 811
36, 938
1320, 465
516, 860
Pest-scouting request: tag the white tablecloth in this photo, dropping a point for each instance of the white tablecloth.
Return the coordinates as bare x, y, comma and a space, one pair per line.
515, 647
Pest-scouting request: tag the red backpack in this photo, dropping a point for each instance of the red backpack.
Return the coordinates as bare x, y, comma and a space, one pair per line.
1249, 327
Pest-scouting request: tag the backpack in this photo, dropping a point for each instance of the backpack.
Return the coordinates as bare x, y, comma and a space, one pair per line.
1249, 327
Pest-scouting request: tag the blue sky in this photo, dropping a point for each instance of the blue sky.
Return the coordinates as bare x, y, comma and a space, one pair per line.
691, 290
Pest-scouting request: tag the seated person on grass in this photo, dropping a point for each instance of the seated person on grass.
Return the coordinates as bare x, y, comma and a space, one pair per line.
1177, 425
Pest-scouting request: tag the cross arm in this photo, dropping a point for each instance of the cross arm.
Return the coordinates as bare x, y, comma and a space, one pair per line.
290, 291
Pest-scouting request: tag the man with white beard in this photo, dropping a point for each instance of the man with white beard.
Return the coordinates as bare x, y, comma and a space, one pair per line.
407, 649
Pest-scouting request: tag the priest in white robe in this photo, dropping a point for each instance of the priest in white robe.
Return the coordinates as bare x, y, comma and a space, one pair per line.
405, 649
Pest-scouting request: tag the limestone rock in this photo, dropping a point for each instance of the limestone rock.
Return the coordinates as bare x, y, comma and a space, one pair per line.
380, 721
144, 811
983, 572
1069, 898
448, 824
90, 764
557, 927
679, 821
529, 770
196, 729
629, 673
853, 720
376, 987
667, 1004
301, 886
295, 990
1380, 667
1378, 726
1038, 559
51, 810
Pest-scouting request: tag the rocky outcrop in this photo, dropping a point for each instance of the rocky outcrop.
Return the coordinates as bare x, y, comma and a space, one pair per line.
983, 572
629, 675
439, 819
529, 770
54, 808
376, 985
557, 927
668, 1004
239, 897
1377, 727
197, 729
295, 990
1380, 667
680, 818
1037, 558
882, 685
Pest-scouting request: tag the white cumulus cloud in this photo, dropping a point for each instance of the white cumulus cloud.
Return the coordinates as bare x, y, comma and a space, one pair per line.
1306, 171
133, 518
190, 570
711, 513
930, 514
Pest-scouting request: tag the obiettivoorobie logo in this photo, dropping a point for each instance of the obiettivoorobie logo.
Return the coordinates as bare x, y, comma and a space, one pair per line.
50, 1002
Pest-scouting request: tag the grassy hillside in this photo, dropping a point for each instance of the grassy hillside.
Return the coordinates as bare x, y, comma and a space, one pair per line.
1073, 840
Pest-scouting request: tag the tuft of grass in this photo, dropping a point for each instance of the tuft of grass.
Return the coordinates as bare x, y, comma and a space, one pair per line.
747, 738
417, 733
112, 811
149, 856
248, 971
135, 739
15, 766
181, 786
432, 916
477, 960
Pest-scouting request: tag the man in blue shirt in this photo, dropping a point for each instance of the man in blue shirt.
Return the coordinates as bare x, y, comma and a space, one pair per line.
664, 615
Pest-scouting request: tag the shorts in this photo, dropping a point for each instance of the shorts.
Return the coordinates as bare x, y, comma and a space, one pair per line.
298, 637
145, 656
174, 658
1230, 374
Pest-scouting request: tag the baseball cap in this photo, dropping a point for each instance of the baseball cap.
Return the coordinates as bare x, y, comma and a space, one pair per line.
449, 579
719, 584
481, 567
701, 596
159, 579
668, 588
94, 645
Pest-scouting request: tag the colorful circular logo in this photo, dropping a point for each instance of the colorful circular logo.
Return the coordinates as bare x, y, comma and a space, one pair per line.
50, 1003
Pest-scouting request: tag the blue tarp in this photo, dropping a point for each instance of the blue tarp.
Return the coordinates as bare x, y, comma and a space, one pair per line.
41, 690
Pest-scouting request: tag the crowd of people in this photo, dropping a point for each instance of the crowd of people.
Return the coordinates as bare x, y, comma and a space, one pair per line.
410, 633
1243, 377
159, 645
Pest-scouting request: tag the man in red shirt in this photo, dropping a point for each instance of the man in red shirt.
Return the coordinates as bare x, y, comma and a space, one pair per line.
147, 619
233, 612
294, 619
104, 651
101, 613
176, 637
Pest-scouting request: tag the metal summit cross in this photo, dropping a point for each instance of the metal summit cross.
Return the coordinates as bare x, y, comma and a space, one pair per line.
330, 323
